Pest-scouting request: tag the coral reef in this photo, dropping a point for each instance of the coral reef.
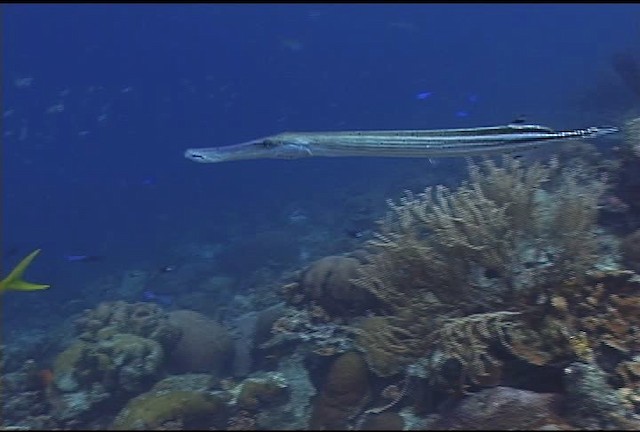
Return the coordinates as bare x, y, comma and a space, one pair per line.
476, 287
157, 410
596, 321
255, 394
327, 283
627, 181
190, 402
345, 390
204, 345
88, 374
249, 331
24, 402
632, 135
592, 403
311, 328
122, 349
122, 361
293, 414
592, 320
383, 422
388, 344
504, 408
630, 249
147, 320
191, 382
442, 256
40, 344
497, 305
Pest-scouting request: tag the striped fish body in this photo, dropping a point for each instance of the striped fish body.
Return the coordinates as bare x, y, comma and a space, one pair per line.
435, 142
395, 143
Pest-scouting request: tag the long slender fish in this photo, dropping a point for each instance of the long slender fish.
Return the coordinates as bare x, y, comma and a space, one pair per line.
395, 143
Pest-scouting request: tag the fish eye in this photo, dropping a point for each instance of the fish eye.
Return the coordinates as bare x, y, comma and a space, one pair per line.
267, 143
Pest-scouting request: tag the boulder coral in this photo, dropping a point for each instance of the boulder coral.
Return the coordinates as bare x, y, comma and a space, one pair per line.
346, 390
255, 394
504, 408
188, 402
328, 282
158, 410
204, 347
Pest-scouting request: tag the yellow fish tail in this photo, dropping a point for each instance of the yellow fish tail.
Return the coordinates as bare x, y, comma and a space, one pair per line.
15, 282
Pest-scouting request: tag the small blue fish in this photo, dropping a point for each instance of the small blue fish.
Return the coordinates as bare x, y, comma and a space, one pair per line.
83, 258
167, 269
462, 113
423, 95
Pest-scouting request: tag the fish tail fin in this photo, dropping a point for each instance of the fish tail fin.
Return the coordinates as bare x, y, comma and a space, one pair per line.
15, 282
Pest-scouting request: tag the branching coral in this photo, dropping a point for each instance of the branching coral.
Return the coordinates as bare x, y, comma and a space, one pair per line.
323, 338
606, 309
467, 339
570, 224
451, 267
390, 343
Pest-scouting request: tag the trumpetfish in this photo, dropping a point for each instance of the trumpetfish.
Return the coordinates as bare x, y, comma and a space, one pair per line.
395, 143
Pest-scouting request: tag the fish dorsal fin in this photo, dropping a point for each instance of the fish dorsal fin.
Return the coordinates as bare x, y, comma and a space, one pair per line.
521, 119
521, 127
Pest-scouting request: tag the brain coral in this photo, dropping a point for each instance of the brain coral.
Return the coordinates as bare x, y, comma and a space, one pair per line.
345, 391
88, 374
327, 281
136, 360
147, 320
204, 347
120, 362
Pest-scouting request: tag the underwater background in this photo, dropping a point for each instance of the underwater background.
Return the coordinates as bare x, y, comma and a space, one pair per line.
100, 102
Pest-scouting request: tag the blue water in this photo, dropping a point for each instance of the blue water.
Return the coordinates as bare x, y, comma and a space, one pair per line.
100, 101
